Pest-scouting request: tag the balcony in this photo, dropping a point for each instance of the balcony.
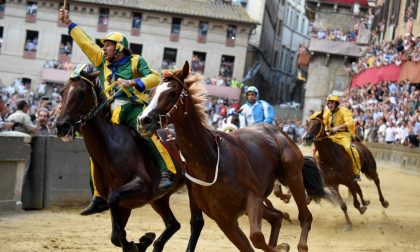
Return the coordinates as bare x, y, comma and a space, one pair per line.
202, 39
230, 42
174, 37
29, 54
102, 28
30, 18
64, 58
135, 31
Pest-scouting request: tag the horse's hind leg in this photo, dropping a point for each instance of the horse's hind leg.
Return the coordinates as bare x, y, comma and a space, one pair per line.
161, 206
355, 189
384, 202
343, 206
255, 210
232, 231
274, 217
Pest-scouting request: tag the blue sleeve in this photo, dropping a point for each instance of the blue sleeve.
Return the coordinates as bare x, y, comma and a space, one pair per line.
269, 114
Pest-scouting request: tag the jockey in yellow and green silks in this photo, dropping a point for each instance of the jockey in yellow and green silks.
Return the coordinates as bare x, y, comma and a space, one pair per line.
340, 124
119, 68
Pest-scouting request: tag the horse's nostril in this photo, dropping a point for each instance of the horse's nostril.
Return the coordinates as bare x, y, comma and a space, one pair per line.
146, 120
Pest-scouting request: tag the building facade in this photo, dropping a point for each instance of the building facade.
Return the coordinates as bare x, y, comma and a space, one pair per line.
212, 34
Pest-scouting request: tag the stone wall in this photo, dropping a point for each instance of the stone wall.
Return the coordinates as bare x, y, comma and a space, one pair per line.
401, 158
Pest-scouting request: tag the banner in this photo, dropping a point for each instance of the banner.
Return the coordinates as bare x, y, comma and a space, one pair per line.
376, 75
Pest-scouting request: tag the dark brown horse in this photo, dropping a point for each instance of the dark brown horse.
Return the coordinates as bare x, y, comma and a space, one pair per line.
232, 173
337, 166
128, 176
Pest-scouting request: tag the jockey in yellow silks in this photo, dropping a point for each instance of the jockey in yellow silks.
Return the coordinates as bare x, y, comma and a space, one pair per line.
339, 122
120, 69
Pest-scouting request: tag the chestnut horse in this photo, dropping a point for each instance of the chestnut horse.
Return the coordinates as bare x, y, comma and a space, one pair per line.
336, 165
128, 176
232, 173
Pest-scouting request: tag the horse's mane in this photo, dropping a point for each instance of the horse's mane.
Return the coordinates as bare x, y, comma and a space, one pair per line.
198, 94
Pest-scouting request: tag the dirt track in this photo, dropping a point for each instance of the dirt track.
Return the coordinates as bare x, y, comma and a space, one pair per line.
396, 228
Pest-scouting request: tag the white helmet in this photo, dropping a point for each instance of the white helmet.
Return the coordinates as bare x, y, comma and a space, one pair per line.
252, 89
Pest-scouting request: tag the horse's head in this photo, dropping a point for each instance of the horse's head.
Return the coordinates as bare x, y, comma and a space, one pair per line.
169, 103
79, 98
315, 128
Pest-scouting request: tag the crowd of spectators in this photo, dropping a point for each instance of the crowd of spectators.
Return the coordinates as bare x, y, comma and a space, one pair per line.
387, 112
401, 49
26, 111
337, 34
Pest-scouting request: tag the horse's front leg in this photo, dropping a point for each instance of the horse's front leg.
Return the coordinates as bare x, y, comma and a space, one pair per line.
161, 206
343, 206
134, 188
196, 222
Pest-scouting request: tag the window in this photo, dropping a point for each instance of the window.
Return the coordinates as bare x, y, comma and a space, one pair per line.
275, 59
296, 24
231, 32
169, 58
411, 7
66, 45
203, 28
286, 14
226, 66
31, 10
1, 36
279, 28
198, 62
31, 44
175, 29
302, 26
103, 20
136, 24
176, 25
281, 59
2, 7
136, 48
230, 35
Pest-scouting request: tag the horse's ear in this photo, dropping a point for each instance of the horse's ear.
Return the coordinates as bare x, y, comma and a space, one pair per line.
185, 70
93, 75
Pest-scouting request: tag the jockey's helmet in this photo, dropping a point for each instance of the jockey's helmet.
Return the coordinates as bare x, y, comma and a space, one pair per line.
252, 89
332, 97
120, 40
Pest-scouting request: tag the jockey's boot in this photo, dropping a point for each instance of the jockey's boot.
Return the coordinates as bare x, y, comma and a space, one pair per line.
166, 181
356, 178
97, 205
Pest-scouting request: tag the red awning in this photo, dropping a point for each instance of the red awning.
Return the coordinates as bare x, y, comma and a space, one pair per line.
376, 75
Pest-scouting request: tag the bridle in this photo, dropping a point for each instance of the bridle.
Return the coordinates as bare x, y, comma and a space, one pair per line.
93, 111
321, 131
182, 101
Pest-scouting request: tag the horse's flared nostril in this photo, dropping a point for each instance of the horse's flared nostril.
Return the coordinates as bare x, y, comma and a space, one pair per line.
146, 121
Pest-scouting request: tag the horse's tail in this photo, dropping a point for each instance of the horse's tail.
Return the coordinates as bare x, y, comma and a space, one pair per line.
314, 182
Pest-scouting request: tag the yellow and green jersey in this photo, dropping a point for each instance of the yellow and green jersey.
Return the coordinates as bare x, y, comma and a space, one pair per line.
129, 67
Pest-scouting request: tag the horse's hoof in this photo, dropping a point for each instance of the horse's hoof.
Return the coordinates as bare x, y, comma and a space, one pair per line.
284, 247
347, 228
145, 241
385, 204
363, 209
131, 248
366, 203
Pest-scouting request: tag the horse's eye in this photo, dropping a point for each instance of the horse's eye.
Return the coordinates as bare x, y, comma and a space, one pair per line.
172, 94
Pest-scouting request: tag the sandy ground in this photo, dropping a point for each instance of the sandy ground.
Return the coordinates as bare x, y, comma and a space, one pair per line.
396, 228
